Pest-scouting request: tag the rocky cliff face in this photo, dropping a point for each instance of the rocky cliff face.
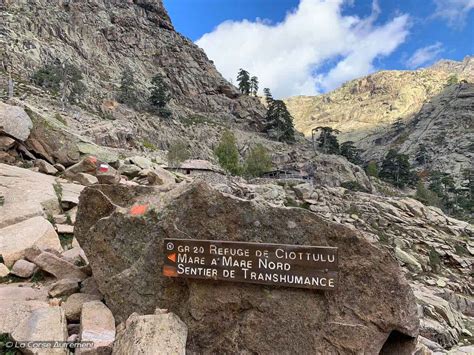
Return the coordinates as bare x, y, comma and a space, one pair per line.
103, 38
369, 105
444, 126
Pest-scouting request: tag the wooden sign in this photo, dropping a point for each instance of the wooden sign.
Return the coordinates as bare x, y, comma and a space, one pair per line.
269, 264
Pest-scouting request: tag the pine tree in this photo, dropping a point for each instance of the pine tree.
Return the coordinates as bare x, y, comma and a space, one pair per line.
327, 140
61, 79
279, 122
397, 170
228, 154
422, 155
159, 96
258, 161
243, 78
127, 92
254, 85
349, 150
268, 96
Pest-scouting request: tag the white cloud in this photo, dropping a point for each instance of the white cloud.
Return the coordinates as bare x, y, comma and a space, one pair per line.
288, 57
454, 11
425, 55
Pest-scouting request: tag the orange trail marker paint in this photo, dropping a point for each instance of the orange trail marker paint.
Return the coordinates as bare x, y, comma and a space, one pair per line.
169, 271
138, 210
172, 257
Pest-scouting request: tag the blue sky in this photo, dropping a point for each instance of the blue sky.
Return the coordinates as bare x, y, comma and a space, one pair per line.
312, 46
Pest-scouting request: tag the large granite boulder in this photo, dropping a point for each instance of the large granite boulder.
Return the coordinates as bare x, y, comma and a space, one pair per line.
15, 121
122, 228
143, 335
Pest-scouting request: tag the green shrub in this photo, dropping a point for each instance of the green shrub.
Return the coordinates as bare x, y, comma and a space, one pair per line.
149, 145
257, 162
427, 196
227, 153
372, 169
453, 79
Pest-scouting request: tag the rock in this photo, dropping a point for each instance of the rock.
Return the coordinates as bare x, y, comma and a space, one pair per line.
463, 350
109, 177
440, 321
372, 283
408, 259
60, 219
59, 167
73, 305
17, 301
198, 88
160, 176
102, 153
73, 338
98, 326
58, 267
22, 292
7, 158
26, 194
87, 165
64, 229
304, 191
461, 303
44, 324
70, 195
431, 345
441, 283
3, 270
90, 286
55, 302
73, 328
145, 334
15, 121
23, 268
85, 179
75, 256
45, 167
334, 170
6, 143
129, 170
64, 287
273, 194
34, 232
141, 162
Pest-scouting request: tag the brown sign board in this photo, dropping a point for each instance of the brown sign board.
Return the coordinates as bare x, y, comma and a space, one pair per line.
300, 266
